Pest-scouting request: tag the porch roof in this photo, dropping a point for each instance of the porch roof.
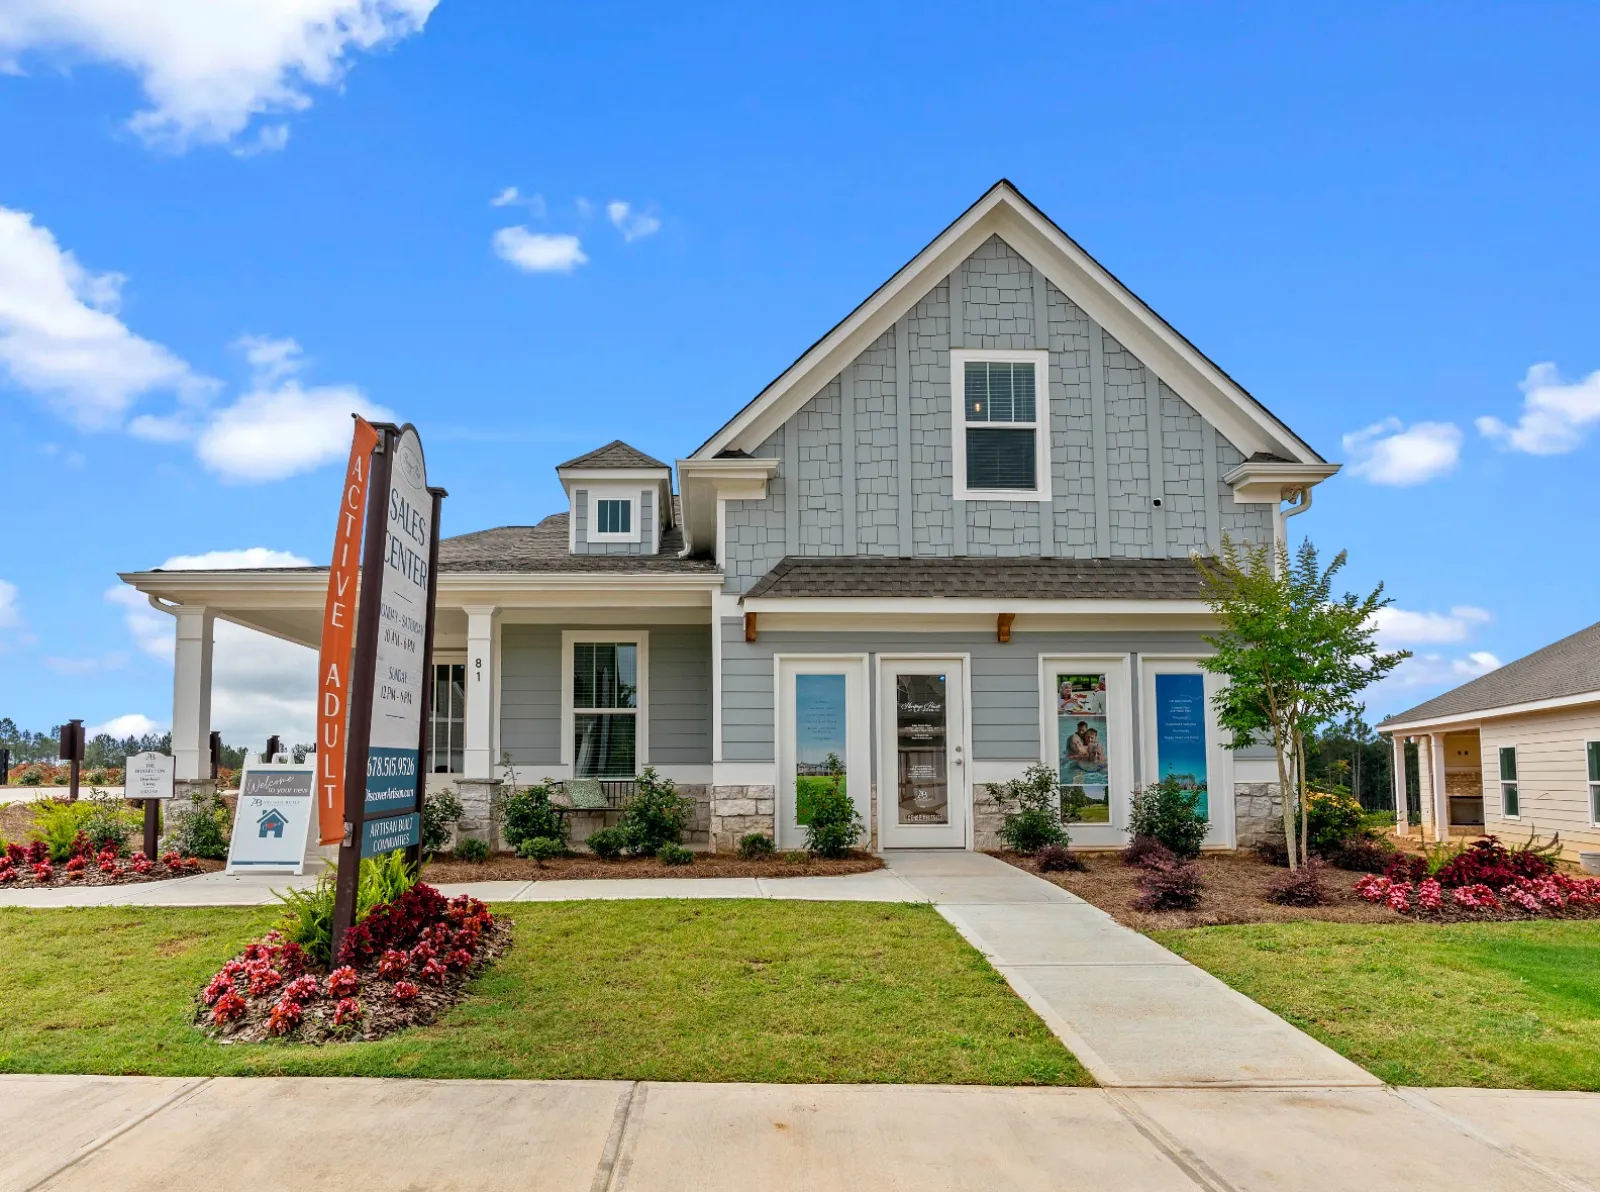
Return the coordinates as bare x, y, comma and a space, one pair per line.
857, 577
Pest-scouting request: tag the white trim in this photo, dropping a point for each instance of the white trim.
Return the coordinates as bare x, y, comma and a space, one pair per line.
629, 496
1464, 719
888, 757
1591, 787
641, 712
1118, 670
1004, 212
858, 735
1040, 359
911, 605
1219, 761
744, 774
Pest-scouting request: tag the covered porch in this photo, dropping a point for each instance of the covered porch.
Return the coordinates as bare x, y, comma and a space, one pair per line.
1449, 775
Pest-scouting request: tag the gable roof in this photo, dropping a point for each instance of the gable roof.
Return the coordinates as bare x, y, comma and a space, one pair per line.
545, 548
1568, 667
1021, 578
615, 454
1004, 211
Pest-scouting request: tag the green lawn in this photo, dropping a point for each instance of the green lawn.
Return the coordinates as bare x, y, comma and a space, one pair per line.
1499, 1005
655, 990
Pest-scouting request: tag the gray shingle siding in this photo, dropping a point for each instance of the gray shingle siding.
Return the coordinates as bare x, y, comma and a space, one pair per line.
1155, 444
644, 509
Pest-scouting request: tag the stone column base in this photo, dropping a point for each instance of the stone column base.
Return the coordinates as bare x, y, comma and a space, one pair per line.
739, 810
480, 799
1257, 813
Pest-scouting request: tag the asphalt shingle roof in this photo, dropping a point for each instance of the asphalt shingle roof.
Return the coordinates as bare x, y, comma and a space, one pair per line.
1019, 578
615, 454
544, 548
1570, 666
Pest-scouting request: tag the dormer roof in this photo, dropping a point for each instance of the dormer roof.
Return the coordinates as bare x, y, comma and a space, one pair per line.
614, 456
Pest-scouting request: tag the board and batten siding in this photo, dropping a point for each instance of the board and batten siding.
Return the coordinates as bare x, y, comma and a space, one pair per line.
678, 705
1552, 775
1004, 679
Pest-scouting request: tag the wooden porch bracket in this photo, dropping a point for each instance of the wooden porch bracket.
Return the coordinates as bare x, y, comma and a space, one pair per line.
1002, 627
749, 627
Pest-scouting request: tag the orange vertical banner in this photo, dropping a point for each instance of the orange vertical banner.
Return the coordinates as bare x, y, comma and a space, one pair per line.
338, 636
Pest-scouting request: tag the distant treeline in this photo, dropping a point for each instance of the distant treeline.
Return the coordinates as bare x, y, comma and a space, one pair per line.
105, 751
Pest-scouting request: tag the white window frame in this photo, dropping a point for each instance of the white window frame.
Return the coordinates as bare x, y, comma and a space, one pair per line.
641, 728
1220, 795
1118, 670
449, 658
1516, 780
1040, 359
596, 494
1591, 785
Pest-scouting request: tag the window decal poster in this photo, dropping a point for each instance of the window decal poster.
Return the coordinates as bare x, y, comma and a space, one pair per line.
1181, 732
819, 740
922, 737
1084, 741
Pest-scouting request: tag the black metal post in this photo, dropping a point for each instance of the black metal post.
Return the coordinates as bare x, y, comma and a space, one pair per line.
216, 754
70, 746
414, 853
151, 811
274, 747
363, 665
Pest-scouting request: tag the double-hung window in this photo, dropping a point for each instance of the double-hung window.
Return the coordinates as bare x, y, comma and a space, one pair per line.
447, 718
604, 704
1510, 800
1001, 439
1593, 750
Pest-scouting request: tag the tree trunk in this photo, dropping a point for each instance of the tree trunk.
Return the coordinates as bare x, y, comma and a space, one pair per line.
1300, 794
1284, 799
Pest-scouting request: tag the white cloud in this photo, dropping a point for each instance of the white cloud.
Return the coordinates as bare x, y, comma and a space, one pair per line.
130, 725
208, 67
1403, 627
634, 225
229, 560
1387, 453
512, 197
1555, 416
584, 207
61, 338
271, 359
10, 609
272, 434
536, 252
151, 630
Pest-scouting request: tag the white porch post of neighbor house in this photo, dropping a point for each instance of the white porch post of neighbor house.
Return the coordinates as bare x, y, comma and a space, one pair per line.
1402, 821
191, 693
1441, 801
478, 786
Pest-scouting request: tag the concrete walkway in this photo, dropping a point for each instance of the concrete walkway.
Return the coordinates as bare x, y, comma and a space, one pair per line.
1134, 1013
137, 1134
258, 889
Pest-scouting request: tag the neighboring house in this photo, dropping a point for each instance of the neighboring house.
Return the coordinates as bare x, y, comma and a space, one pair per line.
952, 539
1514, 751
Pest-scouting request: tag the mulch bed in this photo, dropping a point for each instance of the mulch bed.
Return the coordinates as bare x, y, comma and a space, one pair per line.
506, 867
1235, 892
91, 875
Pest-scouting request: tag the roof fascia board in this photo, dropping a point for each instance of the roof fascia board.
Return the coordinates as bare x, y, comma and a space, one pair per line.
307, 588
1463, 719
587, 474
1260, 481
924, 605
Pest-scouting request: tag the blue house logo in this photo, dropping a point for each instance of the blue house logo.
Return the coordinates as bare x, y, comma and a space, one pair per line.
271, 823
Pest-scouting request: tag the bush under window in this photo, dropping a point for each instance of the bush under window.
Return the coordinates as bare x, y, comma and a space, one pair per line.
1170, 813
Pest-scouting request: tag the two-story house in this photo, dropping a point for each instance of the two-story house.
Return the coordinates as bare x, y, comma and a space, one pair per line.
951, 540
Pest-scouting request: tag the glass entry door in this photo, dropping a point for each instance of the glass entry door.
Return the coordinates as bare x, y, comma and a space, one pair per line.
822, 739
922, 789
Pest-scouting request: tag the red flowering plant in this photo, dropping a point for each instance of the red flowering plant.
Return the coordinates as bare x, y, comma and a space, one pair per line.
405, 991
342, 982
302, 989
348, 1012
229, 1007
285, 1016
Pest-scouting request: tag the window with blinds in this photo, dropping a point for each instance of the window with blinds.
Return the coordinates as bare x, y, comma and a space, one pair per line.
605, 709
999, 425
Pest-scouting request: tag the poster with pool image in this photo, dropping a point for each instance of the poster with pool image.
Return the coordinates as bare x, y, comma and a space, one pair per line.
1083, 739
1181, 732
819, 740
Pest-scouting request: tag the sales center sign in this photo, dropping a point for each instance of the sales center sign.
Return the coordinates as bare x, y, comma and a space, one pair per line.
402, 627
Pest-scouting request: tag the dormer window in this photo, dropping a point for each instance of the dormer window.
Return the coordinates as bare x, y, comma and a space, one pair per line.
1001, 424
613, 516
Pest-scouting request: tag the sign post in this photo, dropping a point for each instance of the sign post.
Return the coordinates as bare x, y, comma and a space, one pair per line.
389, 672
70, 749
148, 776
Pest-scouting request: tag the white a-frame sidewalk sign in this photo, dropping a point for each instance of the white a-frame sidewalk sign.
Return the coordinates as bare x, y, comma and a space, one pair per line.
272, 824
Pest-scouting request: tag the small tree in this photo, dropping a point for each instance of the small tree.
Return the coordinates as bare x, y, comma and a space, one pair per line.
1294, 657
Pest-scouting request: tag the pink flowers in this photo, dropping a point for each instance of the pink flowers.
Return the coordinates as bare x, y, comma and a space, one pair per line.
301, 989
284, 1017
263, 977
343, 982
393, 963
1399, 896
1551, 893
229, 1007
405, 991
1430, 894
347, 1013
434, 972
1476, 897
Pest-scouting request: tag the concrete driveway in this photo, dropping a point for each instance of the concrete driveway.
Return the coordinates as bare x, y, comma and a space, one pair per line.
137, 1134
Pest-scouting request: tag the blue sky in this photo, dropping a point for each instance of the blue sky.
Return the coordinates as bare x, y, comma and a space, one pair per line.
1379, 218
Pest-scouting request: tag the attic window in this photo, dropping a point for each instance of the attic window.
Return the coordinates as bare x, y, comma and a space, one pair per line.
613, 516
612, 513
1001, 430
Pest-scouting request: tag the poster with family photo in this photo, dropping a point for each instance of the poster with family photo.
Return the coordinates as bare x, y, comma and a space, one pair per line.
1083, 741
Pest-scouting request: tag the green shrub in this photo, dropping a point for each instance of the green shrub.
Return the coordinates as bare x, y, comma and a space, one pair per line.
1031, 806
110, 823
755, 845
528, 814
835, 827
656, 814
202, 830
58, 824
607, 843
440, 811
308, 917
32, 776
383, 879
541, 849
674, 854
1169, 813
1334, 819
472, 850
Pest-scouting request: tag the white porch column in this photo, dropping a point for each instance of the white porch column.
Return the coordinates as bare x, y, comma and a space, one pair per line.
1402, 824
1441, 800
191, 693
478, 751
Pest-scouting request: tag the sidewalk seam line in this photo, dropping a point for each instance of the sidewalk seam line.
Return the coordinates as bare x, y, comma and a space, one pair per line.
1421, 1101
92, 1147
627, 1139
1181, 1157
608, 1152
